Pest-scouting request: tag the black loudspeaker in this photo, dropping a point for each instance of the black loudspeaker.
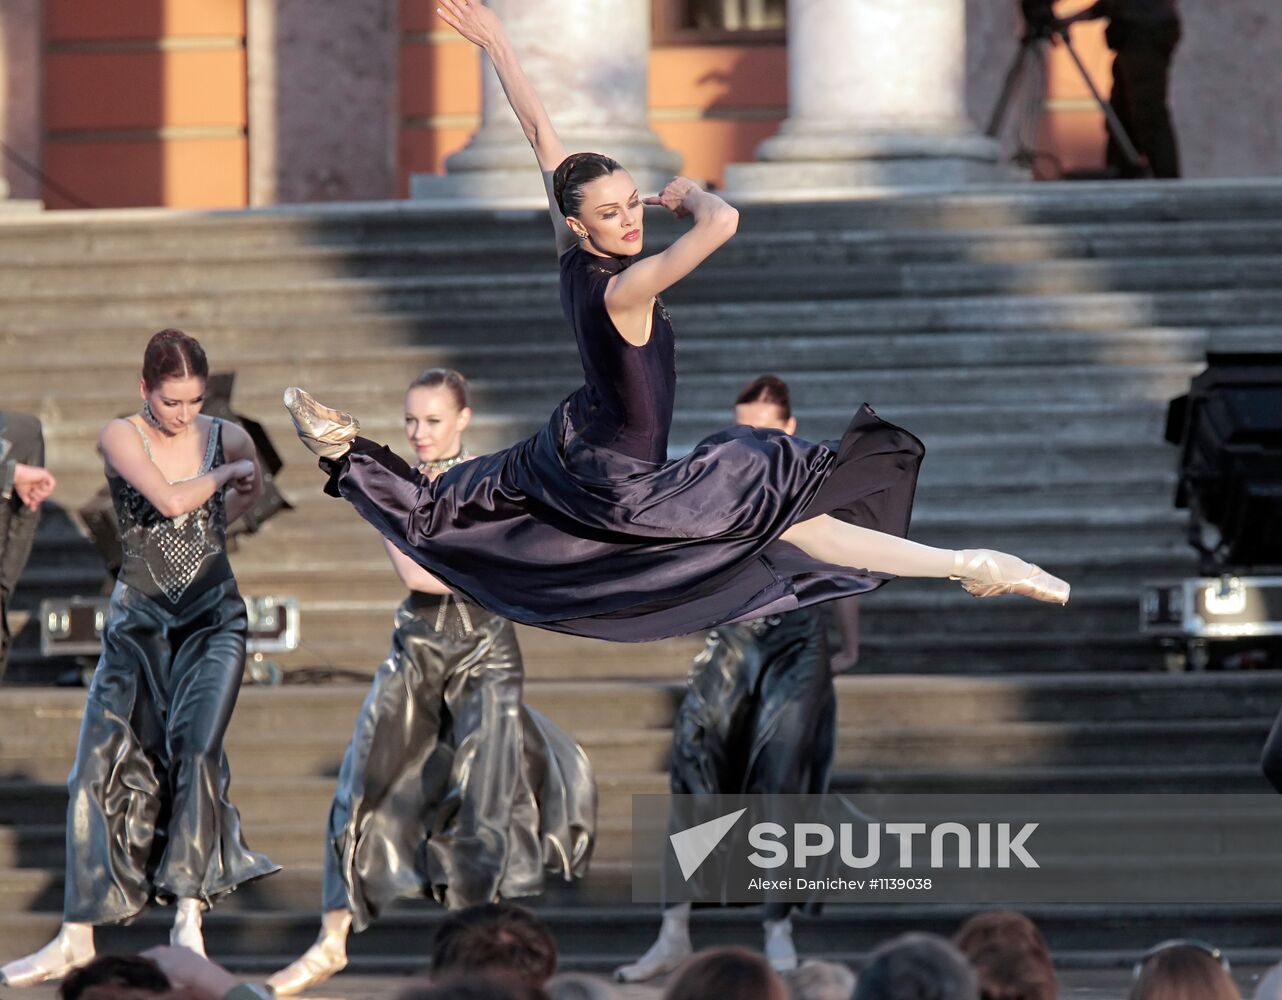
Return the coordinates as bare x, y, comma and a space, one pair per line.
1229, 430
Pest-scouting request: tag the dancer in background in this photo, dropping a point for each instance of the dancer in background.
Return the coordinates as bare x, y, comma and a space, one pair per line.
148, 816
758, 718
585, 527
450, 787
24, 485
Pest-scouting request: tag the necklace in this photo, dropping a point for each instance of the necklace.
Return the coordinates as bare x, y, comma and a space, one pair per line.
149, 415
441, 464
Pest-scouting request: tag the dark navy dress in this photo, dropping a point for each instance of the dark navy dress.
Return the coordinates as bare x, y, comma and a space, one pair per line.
586, 528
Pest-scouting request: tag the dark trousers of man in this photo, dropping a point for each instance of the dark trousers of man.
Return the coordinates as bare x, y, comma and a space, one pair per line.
1141, 97
17, 523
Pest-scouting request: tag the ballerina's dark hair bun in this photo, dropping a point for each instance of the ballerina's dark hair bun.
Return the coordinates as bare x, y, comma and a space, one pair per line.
433, 378
173, 354
576, 170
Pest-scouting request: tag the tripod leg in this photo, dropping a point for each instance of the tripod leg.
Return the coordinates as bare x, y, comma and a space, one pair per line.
1115, 127
1008, 89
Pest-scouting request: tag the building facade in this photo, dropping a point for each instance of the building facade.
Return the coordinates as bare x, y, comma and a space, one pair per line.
228, 103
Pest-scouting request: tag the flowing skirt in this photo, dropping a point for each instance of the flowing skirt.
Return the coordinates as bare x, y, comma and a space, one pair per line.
574, 537
149, 815
451, 787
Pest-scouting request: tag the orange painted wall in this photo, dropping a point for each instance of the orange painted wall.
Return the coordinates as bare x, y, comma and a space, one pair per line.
145, 100
145, 103
1073, 129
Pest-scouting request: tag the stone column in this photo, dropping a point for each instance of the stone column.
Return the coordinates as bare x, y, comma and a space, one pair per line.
21, 125
876, 97
322, 100
589, 61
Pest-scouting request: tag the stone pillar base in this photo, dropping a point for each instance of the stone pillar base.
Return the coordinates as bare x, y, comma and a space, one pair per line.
497, 168
10, 206
796, 165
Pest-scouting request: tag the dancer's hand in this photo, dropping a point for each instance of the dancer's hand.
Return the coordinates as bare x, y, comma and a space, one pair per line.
33, 484
679, 197
240, 475
191, 974
471, 19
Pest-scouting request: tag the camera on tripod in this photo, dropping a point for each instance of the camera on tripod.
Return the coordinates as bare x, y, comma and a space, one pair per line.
1041, 29
1039, 18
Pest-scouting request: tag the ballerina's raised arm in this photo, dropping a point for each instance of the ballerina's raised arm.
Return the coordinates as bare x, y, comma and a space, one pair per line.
481, 26
592, 199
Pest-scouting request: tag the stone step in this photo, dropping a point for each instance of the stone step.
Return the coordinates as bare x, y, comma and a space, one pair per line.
1095, 779
1058, 651
366, 388
864, 702
623, 750
826, 271
224, 255
712, 285
41, 361
1059, 205
303, 800
1081, 300
599, 938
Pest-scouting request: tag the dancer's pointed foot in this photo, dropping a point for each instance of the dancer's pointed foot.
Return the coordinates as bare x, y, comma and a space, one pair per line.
327, 433
325, 958
779, 950
54, 961
187, 931
664, 956
986, 573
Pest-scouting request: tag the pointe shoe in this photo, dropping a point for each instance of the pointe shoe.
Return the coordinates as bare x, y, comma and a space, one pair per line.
665, 955
187, 931
318, 963
54, 961
326, 432
982, 577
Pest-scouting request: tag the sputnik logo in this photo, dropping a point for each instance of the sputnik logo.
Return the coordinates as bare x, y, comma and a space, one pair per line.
692, 846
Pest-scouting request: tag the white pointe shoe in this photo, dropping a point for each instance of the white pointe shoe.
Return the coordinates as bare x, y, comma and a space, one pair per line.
322, 960
981, 576
187, 931
779, 950
51, 962
326, 432
665, 955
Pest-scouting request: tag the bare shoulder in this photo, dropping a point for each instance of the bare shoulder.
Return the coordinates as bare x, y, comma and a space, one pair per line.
117, 431
237, 443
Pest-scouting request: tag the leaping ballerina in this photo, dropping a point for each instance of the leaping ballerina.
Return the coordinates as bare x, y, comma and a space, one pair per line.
586, 527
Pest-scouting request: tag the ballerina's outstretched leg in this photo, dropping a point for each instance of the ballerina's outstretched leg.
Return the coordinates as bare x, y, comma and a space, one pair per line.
982, 572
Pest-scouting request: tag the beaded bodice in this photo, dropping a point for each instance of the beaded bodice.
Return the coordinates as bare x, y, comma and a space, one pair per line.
164, 556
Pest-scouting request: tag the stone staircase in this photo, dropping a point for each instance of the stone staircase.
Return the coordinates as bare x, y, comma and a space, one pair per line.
1031, 336
1095, 732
